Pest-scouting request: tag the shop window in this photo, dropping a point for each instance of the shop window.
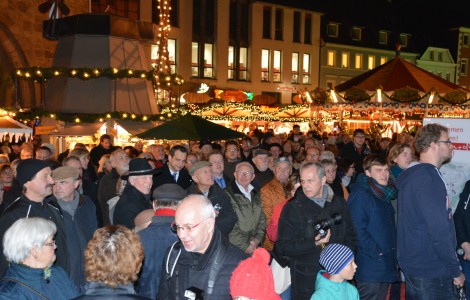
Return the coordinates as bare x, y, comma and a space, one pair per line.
295, 67
172, 55
264, 65
306, 69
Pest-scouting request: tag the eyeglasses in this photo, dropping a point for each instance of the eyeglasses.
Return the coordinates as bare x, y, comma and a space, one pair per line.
175, 228
232, 150
51, 244
246, 173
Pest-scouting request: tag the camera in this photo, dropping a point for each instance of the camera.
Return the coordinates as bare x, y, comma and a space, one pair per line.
322, 227
193, 293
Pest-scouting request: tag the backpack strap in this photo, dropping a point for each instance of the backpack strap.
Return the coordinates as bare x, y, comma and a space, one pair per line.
217, 264
25, 285
172, 259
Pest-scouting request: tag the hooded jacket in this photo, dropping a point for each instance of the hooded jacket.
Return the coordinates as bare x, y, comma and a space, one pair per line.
326, 289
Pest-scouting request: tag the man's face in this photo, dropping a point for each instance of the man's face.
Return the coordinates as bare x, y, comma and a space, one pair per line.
254, 140
275, 151
159, 152
261, 162
313, 155
244, 175
139, 146
203, 176
43, 154
231, 152
75, 164
445, 150
311, 184
106, 143
40, 186
246, 146
26, 153
206, 149
384, 144
64, 189
282, 172
191, 159
308, 143
16, 148
404, 159
296, 146
198, 238
142, 183
177, 161
217, 164
359, 139
379, 173
296, 130
120, 162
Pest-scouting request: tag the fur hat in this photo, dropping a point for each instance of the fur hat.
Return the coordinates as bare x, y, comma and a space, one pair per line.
253, 278
335, 257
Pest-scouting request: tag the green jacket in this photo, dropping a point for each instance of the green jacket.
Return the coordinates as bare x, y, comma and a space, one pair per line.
251, 219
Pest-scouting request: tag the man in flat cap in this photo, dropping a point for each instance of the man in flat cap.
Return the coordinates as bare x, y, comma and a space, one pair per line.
34, 176
204, 184
80, 220
136, 195
158, 236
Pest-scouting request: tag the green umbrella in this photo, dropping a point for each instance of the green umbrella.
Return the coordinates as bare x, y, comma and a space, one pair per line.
190, 127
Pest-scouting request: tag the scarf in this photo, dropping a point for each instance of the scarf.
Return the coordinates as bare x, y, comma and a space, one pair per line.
387, 193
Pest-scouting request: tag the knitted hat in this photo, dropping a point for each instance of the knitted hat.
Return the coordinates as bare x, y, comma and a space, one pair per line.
253, 278
65, 172
335, 257
28, 168
198, 165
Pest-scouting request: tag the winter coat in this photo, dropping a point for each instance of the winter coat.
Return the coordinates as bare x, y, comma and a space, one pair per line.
296, 237
107, 189
462, 218
326, 289
272, 194
226, 217
374, 221
156, 239
350, 151
25, 208
57, 286
251, 219
100, 291
262, 178
130, 204
192, 270
184, 179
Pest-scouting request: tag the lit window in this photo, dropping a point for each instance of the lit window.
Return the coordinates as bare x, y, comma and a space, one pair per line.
195, 60
345, 60
265, 65
383, 37
172, 55
358, 64
295, 67
277, 66
331, 58
242, 64
231, 57
383, 60
371, 62
208, 67
332, 30
306, 69
356, 33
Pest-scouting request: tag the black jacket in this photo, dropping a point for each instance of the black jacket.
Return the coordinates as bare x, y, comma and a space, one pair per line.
262, 178
130, 204
296, 237
462, 218
11, 195
350, 151
184, 179
226, 217
25, 208
192, 270
100, 291
106, 191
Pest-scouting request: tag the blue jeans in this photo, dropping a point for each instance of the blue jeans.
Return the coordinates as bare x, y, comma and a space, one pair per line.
466, 271
286, 294
418, 288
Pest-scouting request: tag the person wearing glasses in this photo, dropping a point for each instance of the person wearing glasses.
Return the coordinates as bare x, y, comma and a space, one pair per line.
426, 237
357, 150
203, 260
250, 228
232, 158
30, 249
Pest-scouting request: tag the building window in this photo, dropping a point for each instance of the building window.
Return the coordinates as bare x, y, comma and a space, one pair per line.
266, 22
231, 65
448, 76
358, 63
465, 40
265, 65
306, 69
345, 60
332, 30
371, 62
237, 71
464, 67
439, 56
431, 55
208, 67
296, 28
356, 34
123, 8
242, 64
383, 60
295, 67
330, 84
277, 57
331, 58
172, 55
308, 29
383, 37
195, 60
278, 23
404, 39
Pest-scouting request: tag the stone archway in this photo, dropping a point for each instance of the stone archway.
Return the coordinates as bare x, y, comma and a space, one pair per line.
13, 57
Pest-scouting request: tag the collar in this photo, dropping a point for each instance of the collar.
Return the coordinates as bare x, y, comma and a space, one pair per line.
168, 212
242, 189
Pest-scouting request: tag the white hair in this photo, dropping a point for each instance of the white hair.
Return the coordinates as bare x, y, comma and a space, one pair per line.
24, 235
206, 208
327, 155
244, 163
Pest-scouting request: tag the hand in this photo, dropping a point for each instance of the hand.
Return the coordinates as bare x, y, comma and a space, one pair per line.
251, 248
320, 241
466, 248
459, 281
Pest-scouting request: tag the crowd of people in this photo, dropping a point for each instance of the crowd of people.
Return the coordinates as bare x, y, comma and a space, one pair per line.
297, 216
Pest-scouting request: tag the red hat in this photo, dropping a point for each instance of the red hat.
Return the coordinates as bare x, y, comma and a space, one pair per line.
253, 278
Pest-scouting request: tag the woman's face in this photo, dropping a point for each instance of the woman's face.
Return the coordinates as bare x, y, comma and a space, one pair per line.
296, 186
330, 172
351, 171
6, 177
404, 159
46, 255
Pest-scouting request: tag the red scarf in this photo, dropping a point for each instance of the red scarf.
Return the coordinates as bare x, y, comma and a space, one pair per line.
167, 212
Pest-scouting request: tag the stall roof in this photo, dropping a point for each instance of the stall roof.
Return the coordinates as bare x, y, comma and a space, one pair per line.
135, 127
81, 129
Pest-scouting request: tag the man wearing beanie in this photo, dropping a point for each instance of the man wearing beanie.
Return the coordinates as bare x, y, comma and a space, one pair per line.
338, 261
34, 176
253, 278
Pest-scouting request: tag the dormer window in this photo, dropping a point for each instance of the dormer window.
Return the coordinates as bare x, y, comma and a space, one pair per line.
356, 33
383, 37
332, 30
404, 37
